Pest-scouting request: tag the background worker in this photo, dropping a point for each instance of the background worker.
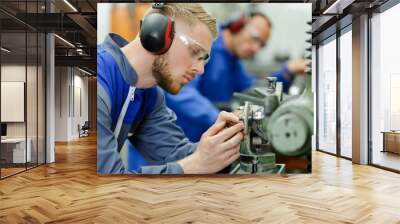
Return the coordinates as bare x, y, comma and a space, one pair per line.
241, 37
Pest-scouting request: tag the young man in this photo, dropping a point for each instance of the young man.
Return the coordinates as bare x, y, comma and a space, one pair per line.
136, 131
241, 38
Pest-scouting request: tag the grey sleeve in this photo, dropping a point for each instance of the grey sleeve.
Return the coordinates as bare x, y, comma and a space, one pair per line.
161, 139
108, 158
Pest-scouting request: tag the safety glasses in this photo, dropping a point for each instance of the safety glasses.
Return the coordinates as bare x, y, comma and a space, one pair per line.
196, 50
255, 36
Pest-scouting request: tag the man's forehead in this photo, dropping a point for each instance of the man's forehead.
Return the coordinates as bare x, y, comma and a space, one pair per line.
262, 26
198, 32
259, 20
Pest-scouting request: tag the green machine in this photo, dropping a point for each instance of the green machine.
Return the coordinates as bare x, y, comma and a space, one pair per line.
274, 123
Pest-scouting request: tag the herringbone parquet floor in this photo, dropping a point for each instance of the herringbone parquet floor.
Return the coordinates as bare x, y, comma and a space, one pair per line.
70, 191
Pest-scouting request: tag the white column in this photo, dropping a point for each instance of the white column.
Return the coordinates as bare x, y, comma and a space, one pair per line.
50, 99
50, 92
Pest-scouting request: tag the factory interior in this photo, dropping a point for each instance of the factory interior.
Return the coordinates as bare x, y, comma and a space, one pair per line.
348, 171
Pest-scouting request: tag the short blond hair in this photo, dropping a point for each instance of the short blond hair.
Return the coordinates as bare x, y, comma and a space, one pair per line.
191, 13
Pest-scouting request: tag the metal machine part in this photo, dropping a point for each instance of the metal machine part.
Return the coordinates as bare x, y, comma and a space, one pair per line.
256, 155
273, 125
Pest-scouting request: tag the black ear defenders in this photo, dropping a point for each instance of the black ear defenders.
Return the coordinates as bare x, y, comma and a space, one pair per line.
157, 32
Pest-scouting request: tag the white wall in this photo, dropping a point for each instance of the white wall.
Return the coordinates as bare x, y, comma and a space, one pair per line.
12, 101
68, 83
80, 83
13, 73
61, 103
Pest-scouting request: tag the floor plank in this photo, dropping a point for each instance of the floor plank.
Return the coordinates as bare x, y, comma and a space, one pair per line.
70, 191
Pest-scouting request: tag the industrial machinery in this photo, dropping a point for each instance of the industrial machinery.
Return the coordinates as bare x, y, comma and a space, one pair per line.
274, 124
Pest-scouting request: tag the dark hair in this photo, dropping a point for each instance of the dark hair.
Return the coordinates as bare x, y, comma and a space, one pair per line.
257, 13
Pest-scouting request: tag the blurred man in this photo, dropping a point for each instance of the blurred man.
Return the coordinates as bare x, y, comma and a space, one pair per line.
136, 131
241, 37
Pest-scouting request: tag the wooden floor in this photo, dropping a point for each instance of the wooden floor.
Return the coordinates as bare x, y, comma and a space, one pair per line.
5, 172
70, 191
10, 171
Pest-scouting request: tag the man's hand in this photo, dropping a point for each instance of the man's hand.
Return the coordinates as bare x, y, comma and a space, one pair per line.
218, 147
298, 66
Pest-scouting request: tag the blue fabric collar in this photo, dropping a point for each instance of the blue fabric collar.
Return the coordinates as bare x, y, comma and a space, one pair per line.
113, 44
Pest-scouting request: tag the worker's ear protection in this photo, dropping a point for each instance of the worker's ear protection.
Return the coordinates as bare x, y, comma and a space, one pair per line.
235, 23
157, 32
238, 20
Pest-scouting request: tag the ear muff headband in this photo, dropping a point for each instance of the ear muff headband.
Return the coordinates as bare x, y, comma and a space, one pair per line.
236, 23
238, 20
